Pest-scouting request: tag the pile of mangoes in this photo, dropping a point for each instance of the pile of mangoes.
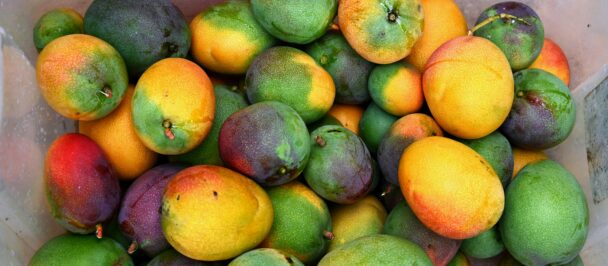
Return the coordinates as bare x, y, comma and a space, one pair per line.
307, 132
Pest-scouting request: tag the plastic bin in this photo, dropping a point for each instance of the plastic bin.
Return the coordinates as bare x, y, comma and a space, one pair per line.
28, 125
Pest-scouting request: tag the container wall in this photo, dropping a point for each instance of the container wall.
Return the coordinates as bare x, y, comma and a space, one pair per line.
28, 125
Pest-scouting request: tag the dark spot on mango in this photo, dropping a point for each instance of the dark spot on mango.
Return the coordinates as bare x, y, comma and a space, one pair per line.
215, 194
177, 197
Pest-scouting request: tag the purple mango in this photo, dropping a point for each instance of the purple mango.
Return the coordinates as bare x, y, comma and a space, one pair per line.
139, 216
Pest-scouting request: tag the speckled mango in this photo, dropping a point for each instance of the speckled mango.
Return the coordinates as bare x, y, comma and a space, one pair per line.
266, 141
543, 112
226, 37
290, 76
340, 166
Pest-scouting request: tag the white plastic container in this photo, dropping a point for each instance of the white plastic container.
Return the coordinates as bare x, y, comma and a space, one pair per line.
28, 125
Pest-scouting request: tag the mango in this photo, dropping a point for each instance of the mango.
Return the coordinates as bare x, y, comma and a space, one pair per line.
485, 245
170, 257
405, 131
80, 250
80, 185
496, 149
402, 222
302, 224
543, 112
138, 217
362, 218
546, 218
340, 166
377, 250
450, 187
516, 29
265, 256
348, 69
212, 213
266, 141
374, 123
162, 31
228, 100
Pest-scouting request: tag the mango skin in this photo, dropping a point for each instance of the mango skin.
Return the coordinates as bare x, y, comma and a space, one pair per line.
80, 185
54, 24
227, 101
402, 133
348, 69
301, 221
450, 187
543, 111
340, 166
226, 37
265, 256
402, 222
382, 32
80, 250
73, 70
459, 260
546, 218
170, 257
161, 27
267, 141
212, 213
468, 87
362, 218
521, 41
496, 149
298, 22
289, 75
485, 245
138, 217
374, 123
377, 250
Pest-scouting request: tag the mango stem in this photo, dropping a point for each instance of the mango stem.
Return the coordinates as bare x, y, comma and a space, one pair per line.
132, 247
98, 231
334, 27
495, 17
392, 16
168, 133
320, 141
106, 91
386, 191
328, 235
282, 170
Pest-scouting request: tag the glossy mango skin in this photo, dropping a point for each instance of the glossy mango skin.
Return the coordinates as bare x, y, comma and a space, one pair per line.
139, 218
382, 32
266, 141
80, 185
543, 112
520, 37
